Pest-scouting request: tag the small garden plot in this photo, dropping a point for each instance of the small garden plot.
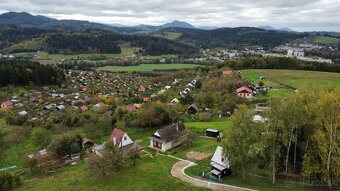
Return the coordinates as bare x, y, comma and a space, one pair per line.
193, 155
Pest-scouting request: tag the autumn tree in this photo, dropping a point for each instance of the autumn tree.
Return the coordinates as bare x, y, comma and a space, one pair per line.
243, 141
326, 111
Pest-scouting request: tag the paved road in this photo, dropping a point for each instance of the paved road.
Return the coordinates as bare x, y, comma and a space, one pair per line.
178, 172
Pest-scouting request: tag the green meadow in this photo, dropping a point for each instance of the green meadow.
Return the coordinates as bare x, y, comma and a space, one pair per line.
147, 67
294, 78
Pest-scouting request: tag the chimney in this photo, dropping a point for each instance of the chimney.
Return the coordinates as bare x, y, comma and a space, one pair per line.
114, 141
176, 126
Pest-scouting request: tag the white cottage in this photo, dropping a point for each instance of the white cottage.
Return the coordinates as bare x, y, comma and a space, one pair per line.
168, 137
220, 164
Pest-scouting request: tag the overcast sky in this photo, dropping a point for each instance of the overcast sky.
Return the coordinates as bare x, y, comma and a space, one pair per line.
300, 15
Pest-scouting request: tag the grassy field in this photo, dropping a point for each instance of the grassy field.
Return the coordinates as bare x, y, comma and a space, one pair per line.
221, 124
252, 182
294, 78
326, 40
151, 173
146, 67
168, 35
166, 56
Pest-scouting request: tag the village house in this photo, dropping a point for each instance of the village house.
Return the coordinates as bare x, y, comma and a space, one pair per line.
82, 89
141, 89
83, 108
244, 92
86, 98
23, 113
219, 164
130, 108
192, 109
174, 101
122, 140
100, 106
7, 104
169, 137
146, 99
227, 72
259, 119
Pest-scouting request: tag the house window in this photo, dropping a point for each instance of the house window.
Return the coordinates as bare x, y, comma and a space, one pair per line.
125, 138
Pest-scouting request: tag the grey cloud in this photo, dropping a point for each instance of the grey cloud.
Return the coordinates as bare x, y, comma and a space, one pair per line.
297, 14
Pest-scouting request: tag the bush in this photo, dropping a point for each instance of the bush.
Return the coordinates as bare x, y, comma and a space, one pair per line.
9, 181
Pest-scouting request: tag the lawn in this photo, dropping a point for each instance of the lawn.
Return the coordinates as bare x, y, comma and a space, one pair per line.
326, 40
252, 182
149, 174
166, 56
222, 124
146, 67
168, 35
295, 78
16, 152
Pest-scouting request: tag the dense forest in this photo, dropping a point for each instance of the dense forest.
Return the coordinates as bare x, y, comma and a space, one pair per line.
281, 63
83, 43
24, 72
10, 34
233, 37
88, 41
95, 41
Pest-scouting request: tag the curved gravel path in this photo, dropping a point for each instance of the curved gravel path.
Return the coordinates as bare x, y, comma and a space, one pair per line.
178, 172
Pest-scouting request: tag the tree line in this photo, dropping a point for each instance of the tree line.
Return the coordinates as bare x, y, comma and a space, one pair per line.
301, 136
235, 38
24, 72
280, 63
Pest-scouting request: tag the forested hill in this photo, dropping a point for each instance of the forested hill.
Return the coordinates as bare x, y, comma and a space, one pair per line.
10, 34
94, 41
233, 37
15, 39
24, 72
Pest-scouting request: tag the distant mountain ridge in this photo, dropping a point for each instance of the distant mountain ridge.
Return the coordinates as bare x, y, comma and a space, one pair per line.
173, 24
24, 19
267, 27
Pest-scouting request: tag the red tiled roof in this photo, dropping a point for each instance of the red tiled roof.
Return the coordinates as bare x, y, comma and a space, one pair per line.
146, 99
227, 72
102, 105
7, 103
118, 134
83, 108
130, 107
243, 88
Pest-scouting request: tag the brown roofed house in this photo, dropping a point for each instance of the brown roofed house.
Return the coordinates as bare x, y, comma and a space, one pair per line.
169, 137
192, 109
122, 140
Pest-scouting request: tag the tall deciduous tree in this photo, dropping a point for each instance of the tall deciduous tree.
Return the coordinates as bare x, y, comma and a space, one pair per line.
326, 111
243, 141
